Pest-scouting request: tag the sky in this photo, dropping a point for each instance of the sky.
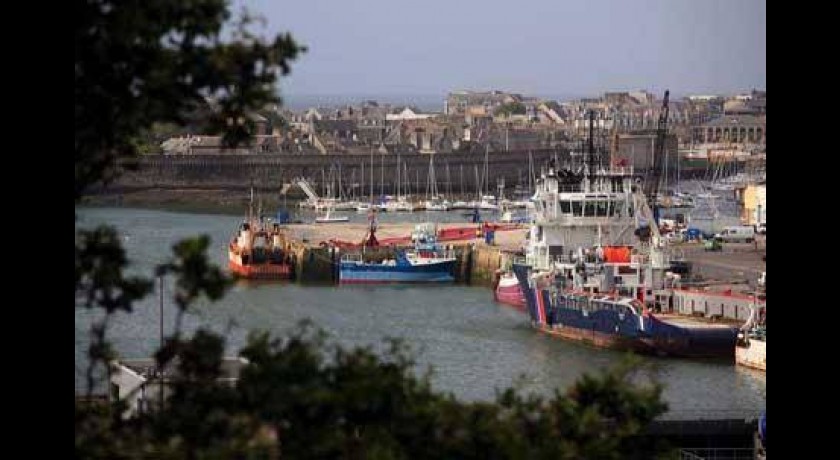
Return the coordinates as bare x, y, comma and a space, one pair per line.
536, 47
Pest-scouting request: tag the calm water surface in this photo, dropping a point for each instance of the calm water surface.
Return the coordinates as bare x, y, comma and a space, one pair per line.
474, 345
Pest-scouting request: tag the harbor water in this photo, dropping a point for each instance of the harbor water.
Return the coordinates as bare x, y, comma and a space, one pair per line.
474, 345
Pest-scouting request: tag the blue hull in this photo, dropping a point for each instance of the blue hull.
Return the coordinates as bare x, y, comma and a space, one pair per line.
352, 272
623, 330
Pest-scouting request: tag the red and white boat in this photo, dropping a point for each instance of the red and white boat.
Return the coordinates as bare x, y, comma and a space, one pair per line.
507, 291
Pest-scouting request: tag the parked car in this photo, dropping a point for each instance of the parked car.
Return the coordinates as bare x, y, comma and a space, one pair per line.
712, 245
740, 233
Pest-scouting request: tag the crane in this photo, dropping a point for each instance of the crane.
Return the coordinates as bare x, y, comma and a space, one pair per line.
645, 202
654, 177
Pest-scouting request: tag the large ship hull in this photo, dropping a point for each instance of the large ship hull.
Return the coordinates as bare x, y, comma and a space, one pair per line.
678, 338
596, 338
261, 271
642, 333
363, 273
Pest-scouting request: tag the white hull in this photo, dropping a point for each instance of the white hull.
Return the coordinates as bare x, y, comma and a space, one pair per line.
753, 355
328, 220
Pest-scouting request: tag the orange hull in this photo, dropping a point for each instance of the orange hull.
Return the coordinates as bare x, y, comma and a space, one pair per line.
262, 271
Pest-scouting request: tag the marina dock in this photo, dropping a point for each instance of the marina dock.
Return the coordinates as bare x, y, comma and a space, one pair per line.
736, 267
318, 248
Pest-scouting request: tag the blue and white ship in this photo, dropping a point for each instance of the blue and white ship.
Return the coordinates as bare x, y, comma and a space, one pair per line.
596, 264
428, 262
586, 279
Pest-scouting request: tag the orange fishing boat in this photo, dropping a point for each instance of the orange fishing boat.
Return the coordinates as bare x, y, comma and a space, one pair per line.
258, 252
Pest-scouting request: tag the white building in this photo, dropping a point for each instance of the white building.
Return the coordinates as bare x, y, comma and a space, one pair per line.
408, 114
140, 383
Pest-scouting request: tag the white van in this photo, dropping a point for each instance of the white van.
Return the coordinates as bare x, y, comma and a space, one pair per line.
742, 233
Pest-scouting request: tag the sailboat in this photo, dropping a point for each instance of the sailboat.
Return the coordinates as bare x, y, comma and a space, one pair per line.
402, 203
433, 200
328, 218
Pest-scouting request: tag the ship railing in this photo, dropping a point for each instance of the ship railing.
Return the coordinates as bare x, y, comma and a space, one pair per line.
520, 260
352, 258
564, 259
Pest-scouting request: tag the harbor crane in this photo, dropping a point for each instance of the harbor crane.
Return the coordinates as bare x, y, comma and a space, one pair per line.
652, 184
646, 203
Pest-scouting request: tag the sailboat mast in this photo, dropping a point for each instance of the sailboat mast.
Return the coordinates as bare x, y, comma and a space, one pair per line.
340, 189
530, 171
591, 158
486, 179
448, 182
478, 185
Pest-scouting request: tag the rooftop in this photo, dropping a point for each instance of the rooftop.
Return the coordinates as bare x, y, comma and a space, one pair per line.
147, 367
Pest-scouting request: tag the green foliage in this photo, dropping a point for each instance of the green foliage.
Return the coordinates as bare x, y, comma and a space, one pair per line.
303, 398
149, 140
158, 61
195, 274
100, 260
510, 108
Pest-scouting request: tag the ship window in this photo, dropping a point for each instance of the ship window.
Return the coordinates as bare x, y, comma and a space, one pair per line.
601, 208
589, 208
565, 207
577, 208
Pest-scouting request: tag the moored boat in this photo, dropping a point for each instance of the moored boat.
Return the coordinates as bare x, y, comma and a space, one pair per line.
613, 320
751, 347
596, 262
428, 262
258, 252
507, 290
329, 218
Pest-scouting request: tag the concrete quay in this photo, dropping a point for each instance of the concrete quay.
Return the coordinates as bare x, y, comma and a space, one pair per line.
735, 267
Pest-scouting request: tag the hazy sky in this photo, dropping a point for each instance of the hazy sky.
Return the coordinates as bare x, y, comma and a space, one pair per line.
542, 47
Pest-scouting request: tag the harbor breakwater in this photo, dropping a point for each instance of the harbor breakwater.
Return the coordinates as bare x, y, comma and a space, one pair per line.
455, 173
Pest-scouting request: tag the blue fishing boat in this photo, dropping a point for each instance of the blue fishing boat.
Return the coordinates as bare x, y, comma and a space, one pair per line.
428, 262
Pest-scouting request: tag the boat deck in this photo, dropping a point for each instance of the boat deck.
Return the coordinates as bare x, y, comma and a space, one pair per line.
679, 320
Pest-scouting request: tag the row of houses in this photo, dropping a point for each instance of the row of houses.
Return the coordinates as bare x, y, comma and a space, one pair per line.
488, 120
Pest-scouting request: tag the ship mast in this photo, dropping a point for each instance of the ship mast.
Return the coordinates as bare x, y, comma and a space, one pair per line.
590, 172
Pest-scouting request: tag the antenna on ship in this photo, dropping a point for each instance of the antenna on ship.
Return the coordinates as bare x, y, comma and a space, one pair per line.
251, 205
590, 160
